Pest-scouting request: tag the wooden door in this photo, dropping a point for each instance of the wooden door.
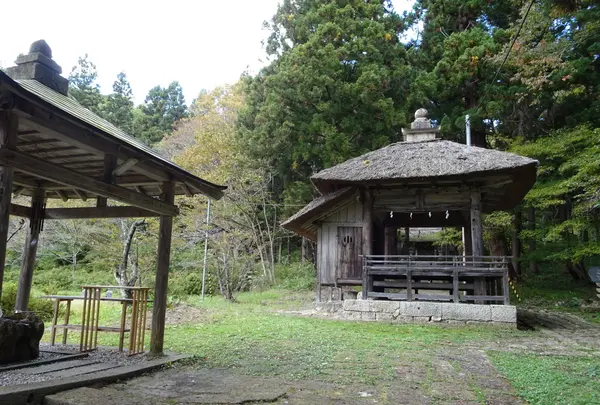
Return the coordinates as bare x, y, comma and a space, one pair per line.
349, 251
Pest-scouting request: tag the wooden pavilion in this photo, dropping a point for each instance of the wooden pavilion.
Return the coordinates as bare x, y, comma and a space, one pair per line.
421, 182
52, 147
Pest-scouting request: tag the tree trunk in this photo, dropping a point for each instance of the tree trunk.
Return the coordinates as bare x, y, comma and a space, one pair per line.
533, 266
121, 275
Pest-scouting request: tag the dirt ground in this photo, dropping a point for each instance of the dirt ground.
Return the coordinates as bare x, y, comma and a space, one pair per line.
454, 374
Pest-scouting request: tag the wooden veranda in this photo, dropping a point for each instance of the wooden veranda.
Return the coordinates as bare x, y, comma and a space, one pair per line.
436, 278
52, 147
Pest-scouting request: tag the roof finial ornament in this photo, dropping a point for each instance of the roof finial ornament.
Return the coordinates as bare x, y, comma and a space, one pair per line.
41, 46
421, 129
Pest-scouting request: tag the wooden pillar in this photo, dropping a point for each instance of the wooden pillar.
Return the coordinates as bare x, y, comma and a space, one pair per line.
406, 244
390, 241
9, 126
110, 162
159, 308
29, 253
477, 238
517, 225
467, 241
367, 235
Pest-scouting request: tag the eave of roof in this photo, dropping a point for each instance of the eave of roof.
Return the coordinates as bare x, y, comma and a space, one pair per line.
37, 93
406, 161
315, 208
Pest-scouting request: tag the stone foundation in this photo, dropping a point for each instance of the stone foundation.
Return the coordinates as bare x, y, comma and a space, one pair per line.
20, 336
420, 312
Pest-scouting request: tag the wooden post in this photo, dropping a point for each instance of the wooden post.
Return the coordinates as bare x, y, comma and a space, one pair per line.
406, 247
367, 235
477, 238
9, 126
162, 275
517, 224
390, 241
29, 253
533, 266
110, 162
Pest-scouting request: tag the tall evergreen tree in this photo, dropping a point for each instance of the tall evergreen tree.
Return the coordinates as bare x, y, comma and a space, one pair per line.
83, 86
335, 88
162, 109
118, 107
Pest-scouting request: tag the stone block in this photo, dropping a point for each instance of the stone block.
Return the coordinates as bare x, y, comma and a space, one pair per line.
466, 312
357, 305
421, 319
329, 307
436, 319
382, 316
421, 308
504, 313
367, 316
387, 307
403, 319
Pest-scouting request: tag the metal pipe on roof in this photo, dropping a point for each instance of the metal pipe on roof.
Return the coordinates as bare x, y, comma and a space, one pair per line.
468, 128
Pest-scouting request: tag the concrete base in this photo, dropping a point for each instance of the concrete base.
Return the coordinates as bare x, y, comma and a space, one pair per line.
420, 312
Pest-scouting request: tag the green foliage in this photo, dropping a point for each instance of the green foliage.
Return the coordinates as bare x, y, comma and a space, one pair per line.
295, 276
118, 106
567, 192
83, 86
162, 109
42, 307
333, 91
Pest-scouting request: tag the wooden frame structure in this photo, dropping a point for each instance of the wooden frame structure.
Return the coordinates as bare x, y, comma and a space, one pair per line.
52, 147
422, 182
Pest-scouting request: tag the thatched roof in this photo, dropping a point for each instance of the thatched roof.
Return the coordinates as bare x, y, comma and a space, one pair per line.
316, 208
405, 161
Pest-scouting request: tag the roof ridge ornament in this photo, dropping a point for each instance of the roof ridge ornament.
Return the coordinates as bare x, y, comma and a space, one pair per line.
421, 129
39, 65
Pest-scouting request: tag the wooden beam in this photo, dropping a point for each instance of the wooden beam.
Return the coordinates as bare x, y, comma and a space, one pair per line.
71, 179
98, 212
123, 167
162, 275
9, 126
62, 195
20, 211
30, 251
37, 142
51, 150
80, 194
110, 161
367, 235
140, 190
186, 190
17, 189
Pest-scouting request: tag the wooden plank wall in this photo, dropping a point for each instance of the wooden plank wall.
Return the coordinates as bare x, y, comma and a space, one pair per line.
327, 260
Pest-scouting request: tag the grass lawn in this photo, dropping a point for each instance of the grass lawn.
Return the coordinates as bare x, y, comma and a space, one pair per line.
556, 380
256, 336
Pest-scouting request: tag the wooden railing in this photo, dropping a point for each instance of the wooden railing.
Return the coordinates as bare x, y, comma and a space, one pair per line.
478, 279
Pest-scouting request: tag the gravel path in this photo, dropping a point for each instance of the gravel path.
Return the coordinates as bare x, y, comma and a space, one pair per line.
104, 355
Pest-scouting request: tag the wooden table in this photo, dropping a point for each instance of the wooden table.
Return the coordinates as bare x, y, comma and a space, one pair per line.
89, 327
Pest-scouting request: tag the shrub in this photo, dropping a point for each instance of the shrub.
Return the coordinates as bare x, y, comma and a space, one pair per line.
296, 276
43, 308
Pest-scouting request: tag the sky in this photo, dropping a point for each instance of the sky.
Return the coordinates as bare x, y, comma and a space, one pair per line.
200, 43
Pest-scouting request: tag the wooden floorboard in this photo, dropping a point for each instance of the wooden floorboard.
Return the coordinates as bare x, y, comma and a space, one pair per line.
63, 365
92, 368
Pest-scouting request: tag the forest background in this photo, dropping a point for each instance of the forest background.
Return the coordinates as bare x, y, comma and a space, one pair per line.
343, 78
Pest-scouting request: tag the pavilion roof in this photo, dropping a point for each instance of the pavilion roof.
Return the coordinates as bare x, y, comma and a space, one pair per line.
36, 93
438, 160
